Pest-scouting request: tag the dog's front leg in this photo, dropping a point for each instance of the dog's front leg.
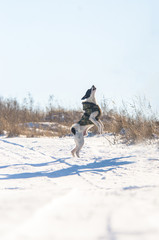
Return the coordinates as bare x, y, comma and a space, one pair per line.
98, 124
102, 126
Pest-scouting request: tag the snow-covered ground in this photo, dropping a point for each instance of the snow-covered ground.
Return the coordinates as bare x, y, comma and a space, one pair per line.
110, 193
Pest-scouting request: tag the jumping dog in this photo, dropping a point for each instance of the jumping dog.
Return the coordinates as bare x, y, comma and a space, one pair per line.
92, 113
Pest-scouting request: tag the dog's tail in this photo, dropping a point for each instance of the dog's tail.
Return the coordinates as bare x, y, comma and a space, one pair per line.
73, 130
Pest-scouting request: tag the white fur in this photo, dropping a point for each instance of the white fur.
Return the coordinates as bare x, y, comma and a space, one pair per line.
81, 131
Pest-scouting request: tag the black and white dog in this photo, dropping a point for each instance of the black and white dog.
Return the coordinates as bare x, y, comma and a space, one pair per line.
92, 113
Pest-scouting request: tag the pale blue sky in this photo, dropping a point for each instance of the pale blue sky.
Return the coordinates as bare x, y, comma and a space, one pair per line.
62, 47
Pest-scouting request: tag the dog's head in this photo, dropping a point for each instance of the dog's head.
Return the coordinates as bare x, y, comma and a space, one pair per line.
90, 93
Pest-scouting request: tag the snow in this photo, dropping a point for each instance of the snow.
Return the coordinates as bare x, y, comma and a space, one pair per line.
110, 193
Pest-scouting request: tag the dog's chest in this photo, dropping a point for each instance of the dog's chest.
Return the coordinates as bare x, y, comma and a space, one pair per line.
88, 109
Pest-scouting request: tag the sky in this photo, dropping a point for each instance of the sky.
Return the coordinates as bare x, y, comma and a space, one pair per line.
63, 47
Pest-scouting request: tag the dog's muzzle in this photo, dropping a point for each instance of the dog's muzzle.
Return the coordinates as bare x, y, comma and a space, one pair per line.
93, 87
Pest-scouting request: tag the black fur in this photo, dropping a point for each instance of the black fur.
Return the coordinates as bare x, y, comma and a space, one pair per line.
73, 130
87, 95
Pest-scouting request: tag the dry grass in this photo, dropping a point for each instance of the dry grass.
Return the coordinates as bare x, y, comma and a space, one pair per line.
134, 122
30, 121
12, 116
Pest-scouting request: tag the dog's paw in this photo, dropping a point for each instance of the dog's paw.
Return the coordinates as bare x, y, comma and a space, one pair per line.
77, 154
73, 153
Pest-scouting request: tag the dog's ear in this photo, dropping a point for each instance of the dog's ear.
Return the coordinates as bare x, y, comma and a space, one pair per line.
87, 95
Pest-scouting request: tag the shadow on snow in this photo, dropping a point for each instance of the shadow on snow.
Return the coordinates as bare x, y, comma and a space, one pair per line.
95, 167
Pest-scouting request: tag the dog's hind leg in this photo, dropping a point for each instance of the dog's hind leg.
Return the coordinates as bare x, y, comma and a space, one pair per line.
73, 152
73, 130
79, 140
79, 143
78, 132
